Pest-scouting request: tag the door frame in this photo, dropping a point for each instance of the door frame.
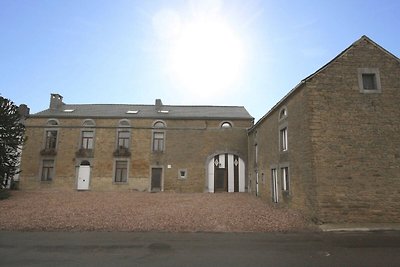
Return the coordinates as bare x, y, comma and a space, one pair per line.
161, 178
89, 167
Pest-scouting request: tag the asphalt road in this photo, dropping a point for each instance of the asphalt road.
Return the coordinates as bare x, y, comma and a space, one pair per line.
199, 249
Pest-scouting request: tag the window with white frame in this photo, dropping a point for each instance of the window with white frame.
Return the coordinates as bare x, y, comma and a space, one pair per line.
158, 141
123, 138
47, 170
226, 124
285, 179
121, 171
274, 185
283, 139
87, 139
51, 139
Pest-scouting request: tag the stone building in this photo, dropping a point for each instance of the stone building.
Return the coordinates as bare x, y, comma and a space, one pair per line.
136, 147
331, 146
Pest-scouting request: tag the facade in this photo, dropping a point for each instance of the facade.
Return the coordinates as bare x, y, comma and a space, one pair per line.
136, 147
331, 147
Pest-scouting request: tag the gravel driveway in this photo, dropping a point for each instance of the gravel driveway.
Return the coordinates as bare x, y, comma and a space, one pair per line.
138, 211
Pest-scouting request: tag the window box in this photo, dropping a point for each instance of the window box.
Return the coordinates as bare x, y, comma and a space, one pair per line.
122, 152
48, 152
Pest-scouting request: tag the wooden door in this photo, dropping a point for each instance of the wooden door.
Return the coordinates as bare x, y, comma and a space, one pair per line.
156, 176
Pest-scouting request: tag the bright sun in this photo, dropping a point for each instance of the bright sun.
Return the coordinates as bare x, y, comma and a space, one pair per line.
207, 57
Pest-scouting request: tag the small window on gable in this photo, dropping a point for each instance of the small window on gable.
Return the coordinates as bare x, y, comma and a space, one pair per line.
52, 122
369, 80
283, 113
88, 123
159, 124
226, 124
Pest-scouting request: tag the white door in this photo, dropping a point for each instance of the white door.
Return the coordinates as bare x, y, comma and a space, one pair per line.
83, 177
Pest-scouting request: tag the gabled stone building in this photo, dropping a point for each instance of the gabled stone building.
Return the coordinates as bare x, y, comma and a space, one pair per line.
331, 146
136, 147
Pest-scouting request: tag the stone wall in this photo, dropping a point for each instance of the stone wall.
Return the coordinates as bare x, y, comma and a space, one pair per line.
356, 138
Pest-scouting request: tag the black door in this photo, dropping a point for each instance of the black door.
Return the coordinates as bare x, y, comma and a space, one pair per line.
221, 175
156, 174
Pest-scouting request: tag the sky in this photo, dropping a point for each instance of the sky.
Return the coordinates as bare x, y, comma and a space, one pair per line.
247, 53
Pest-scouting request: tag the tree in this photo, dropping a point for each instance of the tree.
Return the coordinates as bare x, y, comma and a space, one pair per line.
11, 140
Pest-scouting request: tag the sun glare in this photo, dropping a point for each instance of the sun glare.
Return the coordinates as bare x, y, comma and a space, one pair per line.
207, 57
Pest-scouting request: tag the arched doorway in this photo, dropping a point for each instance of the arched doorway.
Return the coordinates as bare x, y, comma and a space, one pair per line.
84, 175
226, 173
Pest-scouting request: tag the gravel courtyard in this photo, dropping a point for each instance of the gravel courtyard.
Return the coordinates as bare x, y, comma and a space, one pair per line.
136, 211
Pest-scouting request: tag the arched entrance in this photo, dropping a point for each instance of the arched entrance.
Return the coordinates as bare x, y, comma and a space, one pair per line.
226, 173
84, 175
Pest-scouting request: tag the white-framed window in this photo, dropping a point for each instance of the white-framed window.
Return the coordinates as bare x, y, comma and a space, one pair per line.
285, 179
369, 80
87, 139
182, 173
282, 113
47, 173
226, 124
274, 185
123, 138
283, 139
158, 139
51, 139
121, 171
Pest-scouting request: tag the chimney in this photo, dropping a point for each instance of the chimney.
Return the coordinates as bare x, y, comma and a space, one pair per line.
56, 101
23, 111
159, 104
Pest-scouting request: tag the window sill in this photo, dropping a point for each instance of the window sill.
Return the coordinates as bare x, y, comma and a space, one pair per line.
120, 183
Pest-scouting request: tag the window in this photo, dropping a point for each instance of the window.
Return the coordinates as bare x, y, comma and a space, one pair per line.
51, 139
285, 179
88, 123
87, 139
369, 80
182, 174
123, 139
47, 170
274, 186
158, 141
283, 139
283, 113
159, 124
256, 154
52, 122
121, 171
226, 124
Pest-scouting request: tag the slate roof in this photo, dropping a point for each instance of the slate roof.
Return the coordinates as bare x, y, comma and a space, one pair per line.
146, 111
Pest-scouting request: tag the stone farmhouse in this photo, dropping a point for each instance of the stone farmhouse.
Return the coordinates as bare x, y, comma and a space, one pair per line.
137, 147
330, 147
